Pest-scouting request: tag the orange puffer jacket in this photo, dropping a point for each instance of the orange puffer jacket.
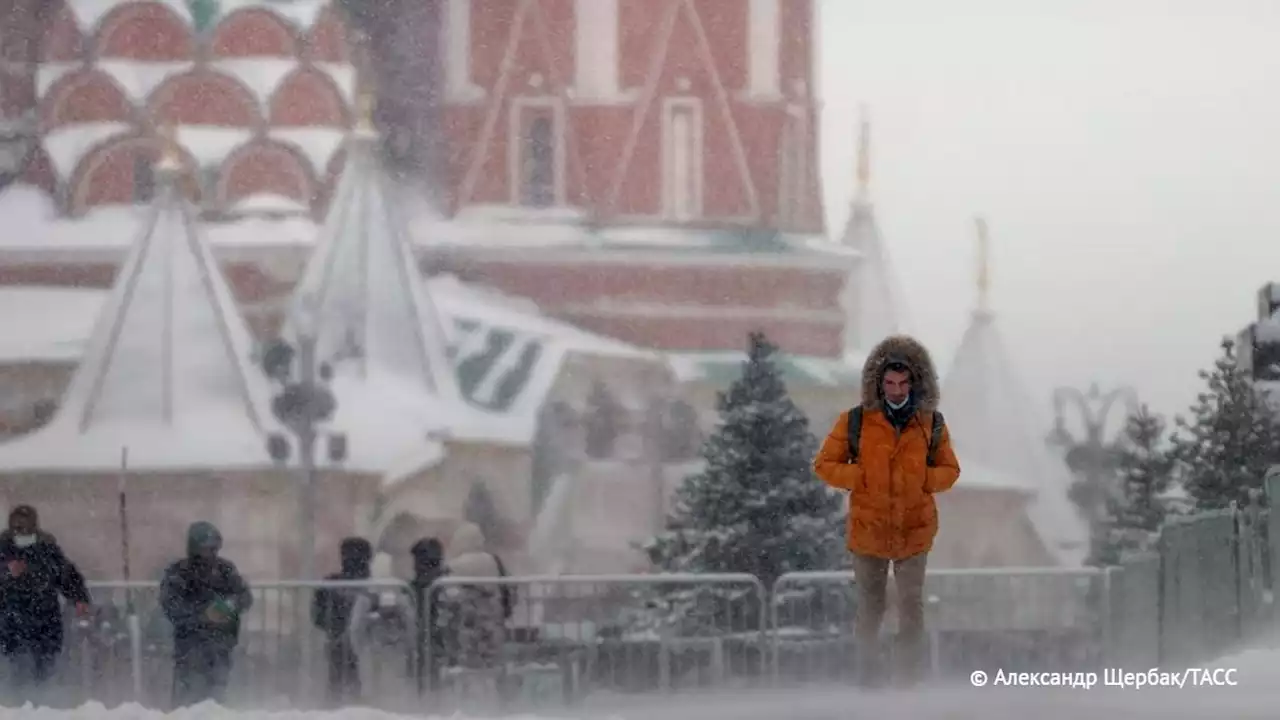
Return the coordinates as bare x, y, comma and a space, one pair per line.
892, 510
892, 513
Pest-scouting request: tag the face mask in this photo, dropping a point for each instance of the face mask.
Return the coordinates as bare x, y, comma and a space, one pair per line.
24, 540
899, 406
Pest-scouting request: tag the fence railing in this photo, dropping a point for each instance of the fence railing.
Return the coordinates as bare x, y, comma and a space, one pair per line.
1206, 586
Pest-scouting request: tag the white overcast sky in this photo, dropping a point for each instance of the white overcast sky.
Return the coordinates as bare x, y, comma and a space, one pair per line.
1126, 156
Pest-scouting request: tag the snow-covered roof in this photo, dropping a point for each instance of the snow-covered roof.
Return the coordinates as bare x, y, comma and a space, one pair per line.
32, 225
46, 323
81, 238
208, 145
168, 371
138, 79
993, 426
506, 353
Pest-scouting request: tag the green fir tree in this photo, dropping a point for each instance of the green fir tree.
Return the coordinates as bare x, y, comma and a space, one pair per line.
756, 507
1231, 438
1137, 507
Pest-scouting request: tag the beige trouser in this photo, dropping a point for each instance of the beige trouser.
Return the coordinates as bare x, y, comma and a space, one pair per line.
871, 575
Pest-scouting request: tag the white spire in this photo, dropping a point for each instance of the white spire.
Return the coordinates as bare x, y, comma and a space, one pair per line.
872, 300
168, 370
372, 312
996, 430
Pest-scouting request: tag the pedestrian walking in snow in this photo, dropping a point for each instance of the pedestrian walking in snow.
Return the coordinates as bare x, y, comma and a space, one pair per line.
34, 574
382, 634
428, 566
203, 596
892, 454
475, 615
331, 613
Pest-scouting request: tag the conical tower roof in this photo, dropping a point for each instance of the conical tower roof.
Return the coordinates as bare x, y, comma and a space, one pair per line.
996, 432
873, 300
376, 325
168, 373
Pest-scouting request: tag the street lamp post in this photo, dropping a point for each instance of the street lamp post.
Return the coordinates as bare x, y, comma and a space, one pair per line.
304, 402
1088, 455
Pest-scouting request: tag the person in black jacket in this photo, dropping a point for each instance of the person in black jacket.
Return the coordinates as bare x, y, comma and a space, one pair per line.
34, 573
331, 612
428, 566
203, 596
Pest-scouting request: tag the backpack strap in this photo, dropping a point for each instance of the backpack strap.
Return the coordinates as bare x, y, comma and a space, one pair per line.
505, 591
855, 432
935, 439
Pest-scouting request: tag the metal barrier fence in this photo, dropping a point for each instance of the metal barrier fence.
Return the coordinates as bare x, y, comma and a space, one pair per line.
570, 637
124, 651
1024, 618
1206, 586
1205, 590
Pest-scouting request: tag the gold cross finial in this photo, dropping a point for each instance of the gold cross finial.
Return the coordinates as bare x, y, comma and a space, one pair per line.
366, 91
984, 265
170, 153
864, 153
364, 110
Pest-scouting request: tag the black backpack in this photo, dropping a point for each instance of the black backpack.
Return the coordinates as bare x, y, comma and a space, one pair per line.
855, 434
508, 592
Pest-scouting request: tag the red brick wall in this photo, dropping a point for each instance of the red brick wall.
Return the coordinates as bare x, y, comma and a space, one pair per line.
307, 97
558, 284
62, 40
600, 174
326, 42
84, 96
266, 168
818, 338
252, 32
144, 31
204, 98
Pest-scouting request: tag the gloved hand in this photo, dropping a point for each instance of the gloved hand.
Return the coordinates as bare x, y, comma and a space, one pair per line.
220, 611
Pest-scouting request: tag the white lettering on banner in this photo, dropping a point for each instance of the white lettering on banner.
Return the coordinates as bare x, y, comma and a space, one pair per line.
1111, 677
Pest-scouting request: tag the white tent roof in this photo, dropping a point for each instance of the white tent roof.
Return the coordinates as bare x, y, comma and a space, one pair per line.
873, 300
378, 326
993, 425
168, 370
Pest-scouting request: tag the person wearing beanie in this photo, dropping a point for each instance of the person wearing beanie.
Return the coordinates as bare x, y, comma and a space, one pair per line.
203, 596
331, 612
428, 566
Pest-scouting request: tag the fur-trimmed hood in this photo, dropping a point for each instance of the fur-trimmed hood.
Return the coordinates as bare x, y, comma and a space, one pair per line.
908, 351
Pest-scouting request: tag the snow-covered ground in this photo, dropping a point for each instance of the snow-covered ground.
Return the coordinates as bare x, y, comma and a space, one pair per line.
1254, 695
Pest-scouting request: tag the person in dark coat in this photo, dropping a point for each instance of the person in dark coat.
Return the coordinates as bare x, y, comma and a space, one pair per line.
203, 596
428, 566
331, 612
34, 573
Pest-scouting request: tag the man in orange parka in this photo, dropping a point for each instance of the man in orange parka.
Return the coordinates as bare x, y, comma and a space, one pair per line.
891, 483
